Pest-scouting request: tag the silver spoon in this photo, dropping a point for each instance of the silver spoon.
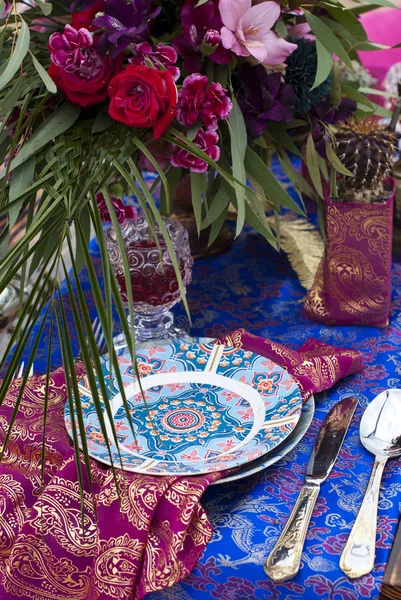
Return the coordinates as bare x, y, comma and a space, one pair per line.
380, 433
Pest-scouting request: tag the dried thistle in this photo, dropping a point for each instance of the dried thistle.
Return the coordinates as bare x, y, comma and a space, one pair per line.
365, 148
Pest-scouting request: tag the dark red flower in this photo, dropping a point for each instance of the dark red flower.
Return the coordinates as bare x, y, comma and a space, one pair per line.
78, 69
206, 141
84, 18
163, 55
197, 99
122, 212
143, 97
88, 84
212, 37
68, 50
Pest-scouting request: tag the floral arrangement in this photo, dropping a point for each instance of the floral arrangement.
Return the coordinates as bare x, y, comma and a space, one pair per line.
93, 92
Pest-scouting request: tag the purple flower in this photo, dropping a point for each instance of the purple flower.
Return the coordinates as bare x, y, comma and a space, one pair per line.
197, 21
163, 56
125, 22
332, 115
68, 50
122, 212
7, 9
264, 98
197, 99
212, 37
206, 141
192, 57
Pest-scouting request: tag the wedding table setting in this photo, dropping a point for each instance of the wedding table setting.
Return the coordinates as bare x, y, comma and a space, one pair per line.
234, 518
201, 383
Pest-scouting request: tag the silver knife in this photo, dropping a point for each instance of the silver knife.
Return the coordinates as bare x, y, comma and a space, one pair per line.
284, 560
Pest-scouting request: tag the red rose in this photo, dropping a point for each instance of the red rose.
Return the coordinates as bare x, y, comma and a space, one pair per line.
88, 84
143, 97
84, 18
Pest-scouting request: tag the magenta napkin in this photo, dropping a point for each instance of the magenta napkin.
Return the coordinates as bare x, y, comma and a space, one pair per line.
315, 366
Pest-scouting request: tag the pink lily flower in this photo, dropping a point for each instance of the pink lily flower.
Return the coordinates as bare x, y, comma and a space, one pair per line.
302, 30
247, 31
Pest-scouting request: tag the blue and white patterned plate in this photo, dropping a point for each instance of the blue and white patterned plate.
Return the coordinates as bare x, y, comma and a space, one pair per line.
259, 464
207, 408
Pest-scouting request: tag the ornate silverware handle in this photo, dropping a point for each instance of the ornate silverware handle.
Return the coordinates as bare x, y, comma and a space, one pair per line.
358, 557
284, 560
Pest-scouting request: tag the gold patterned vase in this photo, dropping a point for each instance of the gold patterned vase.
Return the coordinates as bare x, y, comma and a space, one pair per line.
353, 282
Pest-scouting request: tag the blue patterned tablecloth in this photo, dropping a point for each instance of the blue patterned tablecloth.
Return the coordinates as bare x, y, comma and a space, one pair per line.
254, 287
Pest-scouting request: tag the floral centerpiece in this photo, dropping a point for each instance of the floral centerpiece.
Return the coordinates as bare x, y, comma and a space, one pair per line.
93, 92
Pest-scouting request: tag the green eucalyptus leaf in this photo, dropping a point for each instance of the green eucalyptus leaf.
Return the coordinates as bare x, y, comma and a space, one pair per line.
280, 134
324, 63
312, 163
348, 20
45, 77
379, 3
327, 37
2, 37
219, 203
217, 225
239, 139
335, 92
21, 179
258, 220
281, 29
273, 189
198, 190
17, 56
335, 161
45, 7
323, 167
381, 111
301, 185
374, 92
102, 122
9, 102
362, 101
371, 46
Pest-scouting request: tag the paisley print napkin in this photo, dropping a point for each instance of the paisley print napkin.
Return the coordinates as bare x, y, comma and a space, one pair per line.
147, 540
315, 366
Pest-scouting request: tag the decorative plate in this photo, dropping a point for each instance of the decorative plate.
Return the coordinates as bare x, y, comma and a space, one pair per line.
207, 408
259, 464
